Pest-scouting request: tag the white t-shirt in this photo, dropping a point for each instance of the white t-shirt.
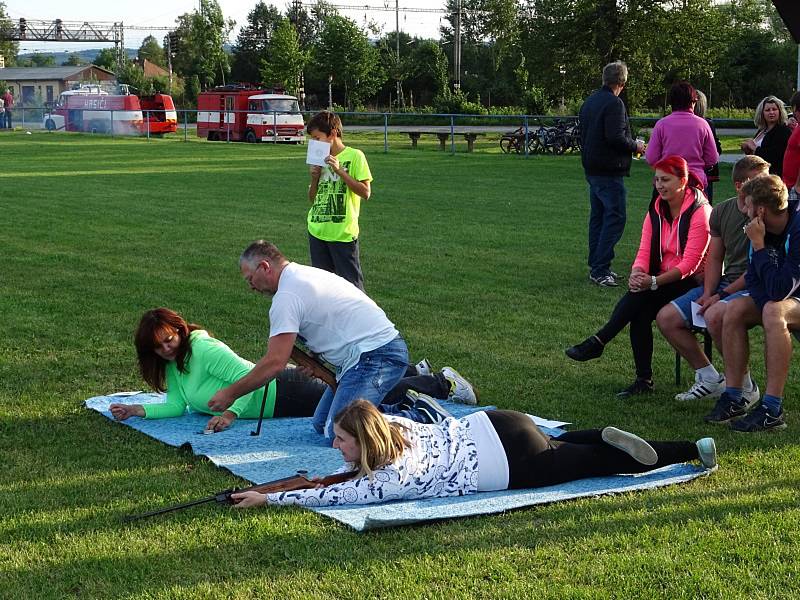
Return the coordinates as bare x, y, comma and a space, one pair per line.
334, 317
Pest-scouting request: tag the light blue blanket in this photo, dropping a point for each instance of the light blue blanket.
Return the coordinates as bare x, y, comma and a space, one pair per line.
287, 445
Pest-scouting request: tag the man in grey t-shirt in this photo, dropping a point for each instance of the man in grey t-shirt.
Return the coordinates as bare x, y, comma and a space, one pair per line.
728, 247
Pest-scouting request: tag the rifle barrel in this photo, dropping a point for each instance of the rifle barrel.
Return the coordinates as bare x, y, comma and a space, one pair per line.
216, 497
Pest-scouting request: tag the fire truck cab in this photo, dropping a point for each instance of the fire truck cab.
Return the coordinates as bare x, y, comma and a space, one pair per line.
242, 112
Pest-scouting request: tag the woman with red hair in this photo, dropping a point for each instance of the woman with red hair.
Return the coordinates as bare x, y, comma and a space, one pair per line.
675, 237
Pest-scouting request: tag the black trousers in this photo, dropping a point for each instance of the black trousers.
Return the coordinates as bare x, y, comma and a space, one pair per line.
640, 310
435, 385
536, 460
342, 258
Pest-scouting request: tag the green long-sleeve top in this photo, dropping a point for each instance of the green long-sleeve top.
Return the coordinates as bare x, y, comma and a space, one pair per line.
211, 367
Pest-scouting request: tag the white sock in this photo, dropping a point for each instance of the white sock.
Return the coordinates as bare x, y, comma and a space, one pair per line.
747, 383
709, 373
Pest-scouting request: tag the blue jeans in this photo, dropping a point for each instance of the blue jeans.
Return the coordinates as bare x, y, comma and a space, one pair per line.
606, 221
373, 376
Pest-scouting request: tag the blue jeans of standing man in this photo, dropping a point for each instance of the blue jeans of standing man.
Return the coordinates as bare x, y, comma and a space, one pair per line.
606, 221
373, 376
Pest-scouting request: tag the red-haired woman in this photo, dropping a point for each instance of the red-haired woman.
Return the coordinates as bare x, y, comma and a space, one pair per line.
675, 237
191, 366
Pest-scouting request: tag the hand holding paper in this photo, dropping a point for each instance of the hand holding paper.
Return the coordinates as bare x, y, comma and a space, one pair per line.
317, 152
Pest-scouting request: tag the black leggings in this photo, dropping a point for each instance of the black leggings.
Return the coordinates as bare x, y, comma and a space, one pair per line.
640, 310
536, 460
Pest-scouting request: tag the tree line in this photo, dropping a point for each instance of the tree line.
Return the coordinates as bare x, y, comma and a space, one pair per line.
531, 55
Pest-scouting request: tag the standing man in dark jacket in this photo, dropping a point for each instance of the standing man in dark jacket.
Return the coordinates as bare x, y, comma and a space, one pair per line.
606, 155
8, 100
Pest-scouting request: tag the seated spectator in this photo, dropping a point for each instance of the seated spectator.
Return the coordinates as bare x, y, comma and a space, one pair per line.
773, 301
727, 251
684, 134
672, 251
772, 135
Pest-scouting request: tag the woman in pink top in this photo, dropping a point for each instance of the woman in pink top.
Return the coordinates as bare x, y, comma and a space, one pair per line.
675, 237
682, 133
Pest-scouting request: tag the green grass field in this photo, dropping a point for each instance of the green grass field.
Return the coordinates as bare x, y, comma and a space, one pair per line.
480, 261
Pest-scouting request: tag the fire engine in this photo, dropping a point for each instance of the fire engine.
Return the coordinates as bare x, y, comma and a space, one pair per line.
242, 112
89, 108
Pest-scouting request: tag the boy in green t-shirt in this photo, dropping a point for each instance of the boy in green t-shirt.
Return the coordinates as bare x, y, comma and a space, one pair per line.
335, 192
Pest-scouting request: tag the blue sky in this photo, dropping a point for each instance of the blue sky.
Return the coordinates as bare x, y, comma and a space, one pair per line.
163, 14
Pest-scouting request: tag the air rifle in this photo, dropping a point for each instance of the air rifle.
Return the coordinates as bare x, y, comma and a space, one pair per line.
319, 367
287, 484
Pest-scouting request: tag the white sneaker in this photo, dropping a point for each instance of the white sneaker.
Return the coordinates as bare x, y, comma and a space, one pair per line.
702, 389
752, 396
424, 367
461, 390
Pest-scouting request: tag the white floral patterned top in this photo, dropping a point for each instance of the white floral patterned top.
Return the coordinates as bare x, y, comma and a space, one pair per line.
441, 461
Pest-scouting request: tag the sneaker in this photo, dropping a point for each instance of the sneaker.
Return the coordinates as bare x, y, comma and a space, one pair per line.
431, 409
761, 419
752, 396
707, 452
614, 275
605, 280
634, 446
702, 389
637, 388
408, 400
424, 367
587, 350
461, 390
726, 410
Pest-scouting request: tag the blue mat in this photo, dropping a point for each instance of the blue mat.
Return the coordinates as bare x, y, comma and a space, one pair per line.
286, 445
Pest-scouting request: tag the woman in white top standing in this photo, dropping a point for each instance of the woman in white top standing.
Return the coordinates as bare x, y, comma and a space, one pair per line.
397, 459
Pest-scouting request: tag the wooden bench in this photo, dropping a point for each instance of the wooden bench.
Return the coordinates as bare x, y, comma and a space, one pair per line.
443, 136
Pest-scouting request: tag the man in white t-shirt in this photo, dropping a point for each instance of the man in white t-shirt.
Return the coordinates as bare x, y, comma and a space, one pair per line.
334, 318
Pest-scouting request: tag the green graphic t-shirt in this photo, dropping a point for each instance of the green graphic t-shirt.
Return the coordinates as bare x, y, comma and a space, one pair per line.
334, 215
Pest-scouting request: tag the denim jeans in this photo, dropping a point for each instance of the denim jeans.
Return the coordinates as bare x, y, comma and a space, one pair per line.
606, 221
373, 376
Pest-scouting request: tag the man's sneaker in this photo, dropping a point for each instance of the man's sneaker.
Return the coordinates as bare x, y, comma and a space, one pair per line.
408, 400
707, 452
637, 388
587, 350
726, 410
424, 367
752, 396
637, 448
702, 389
761, 419
461, 390
431, 409
614, 275
605, 280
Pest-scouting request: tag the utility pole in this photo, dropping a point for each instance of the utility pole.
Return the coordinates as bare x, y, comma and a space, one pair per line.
397, 36
457, 49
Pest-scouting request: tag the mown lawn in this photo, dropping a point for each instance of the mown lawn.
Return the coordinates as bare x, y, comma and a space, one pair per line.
480, 261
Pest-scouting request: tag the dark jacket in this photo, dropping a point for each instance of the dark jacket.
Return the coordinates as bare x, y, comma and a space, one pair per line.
773, 146
606, 143
774, 271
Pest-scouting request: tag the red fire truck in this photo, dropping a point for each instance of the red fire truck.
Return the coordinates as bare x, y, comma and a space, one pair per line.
243, 112
89, 108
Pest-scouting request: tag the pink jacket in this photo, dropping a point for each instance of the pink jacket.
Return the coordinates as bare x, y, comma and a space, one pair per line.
686, 135
694, 255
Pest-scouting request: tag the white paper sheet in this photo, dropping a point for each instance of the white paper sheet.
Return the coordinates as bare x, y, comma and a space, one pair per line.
697, 319
317, 152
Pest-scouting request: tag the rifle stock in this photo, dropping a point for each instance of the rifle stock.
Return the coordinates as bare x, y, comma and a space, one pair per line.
287, 484
303, 357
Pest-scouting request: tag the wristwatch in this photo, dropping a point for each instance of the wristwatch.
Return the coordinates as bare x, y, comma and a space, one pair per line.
653, 283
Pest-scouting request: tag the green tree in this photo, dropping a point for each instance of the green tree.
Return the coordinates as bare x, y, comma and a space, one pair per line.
345, 54
426, 73
8, 49
106, 58
201, 36
251, 44
43, 60
285, 61
74, 60
152, 51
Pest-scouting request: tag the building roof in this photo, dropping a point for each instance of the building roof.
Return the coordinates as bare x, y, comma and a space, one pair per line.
43, 73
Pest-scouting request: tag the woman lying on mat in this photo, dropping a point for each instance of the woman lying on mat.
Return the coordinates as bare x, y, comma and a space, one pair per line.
191, 366
396, 459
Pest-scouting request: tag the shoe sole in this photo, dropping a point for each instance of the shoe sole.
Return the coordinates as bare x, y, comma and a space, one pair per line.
780, 427
711, 396
430, 401
623, 395
727, 420
710, 459
632, 445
